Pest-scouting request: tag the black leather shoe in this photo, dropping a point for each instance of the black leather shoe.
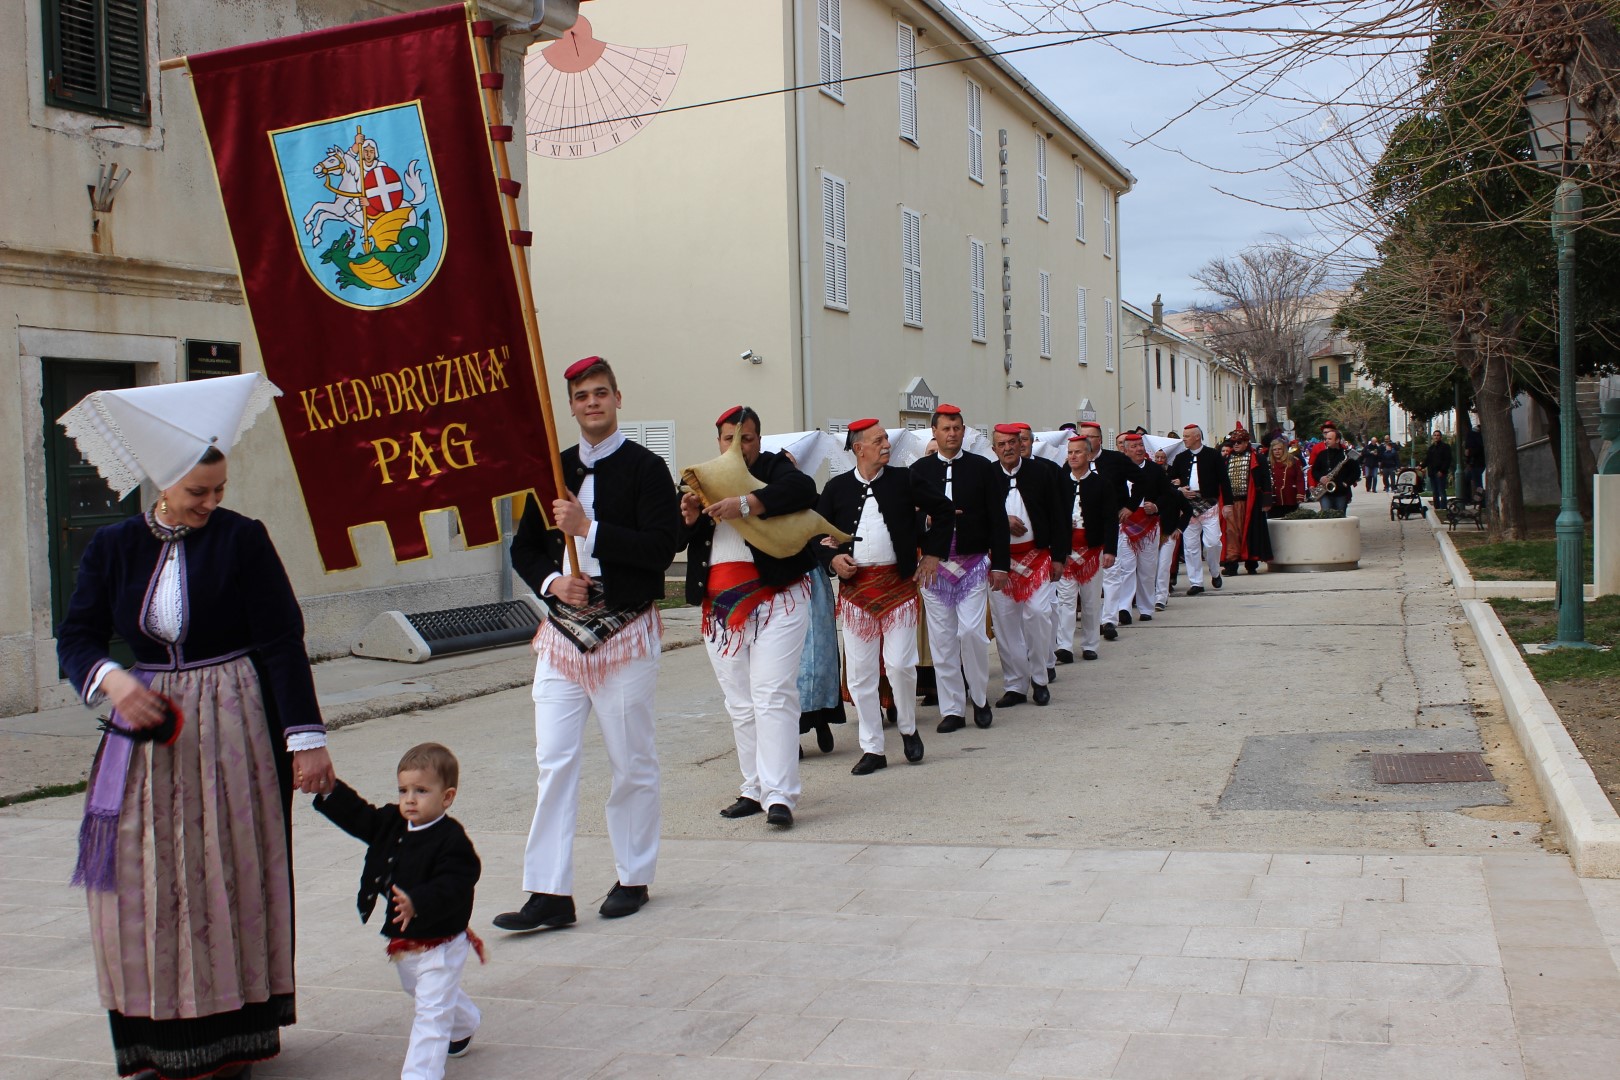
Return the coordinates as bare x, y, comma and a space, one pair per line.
1109, 632
743, 807
929, 698
779, 815
1011, 698
540, 911
1064, 656
1051, 675
623, 900
982, 716
1088, 655
1042, 695
459, 1047
824, 739
1160, 606
914, 746
1252, 567
869, 763
1124, 618
948, 724
1217, 581
1196, 590
1144, 618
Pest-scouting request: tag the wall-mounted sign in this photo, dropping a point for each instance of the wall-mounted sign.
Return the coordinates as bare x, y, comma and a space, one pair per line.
917, 397
211, 359
1087, 411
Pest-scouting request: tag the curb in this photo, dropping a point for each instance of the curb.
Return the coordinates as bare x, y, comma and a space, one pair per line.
1584, 815
1470, 589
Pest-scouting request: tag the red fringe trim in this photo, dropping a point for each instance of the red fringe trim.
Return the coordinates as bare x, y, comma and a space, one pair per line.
868, 627
398, 947
643, 637
1085, 568
1039, 564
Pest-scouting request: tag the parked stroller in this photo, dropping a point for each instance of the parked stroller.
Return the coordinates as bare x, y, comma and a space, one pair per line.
1405, 500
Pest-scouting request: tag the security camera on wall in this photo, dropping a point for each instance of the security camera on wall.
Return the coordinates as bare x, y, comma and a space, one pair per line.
752, 357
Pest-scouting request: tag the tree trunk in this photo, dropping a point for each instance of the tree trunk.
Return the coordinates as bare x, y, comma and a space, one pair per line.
1504, 493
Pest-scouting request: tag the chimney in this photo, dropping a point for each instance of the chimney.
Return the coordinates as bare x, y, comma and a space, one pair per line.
1158, 310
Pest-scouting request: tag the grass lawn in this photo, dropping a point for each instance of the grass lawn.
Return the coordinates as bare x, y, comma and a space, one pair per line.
1535, 559
1582, 684
674, 594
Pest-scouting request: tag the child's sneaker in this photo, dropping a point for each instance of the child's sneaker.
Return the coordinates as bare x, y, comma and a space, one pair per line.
459, 1047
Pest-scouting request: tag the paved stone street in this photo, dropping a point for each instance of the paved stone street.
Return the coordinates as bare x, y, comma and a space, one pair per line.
1180, 869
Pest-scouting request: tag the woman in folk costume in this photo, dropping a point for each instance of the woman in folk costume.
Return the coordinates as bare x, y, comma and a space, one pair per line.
185, 850
1287, 479
1247, 540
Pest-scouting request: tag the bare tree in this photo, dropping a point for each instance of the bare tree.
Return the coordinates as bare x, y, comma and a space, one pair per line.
1263, 303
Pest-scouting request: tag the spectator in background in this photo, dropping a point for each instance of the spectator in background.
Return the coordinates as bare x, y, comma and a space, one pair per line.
1369, 464
1437, 463
1287, 480
1389, 460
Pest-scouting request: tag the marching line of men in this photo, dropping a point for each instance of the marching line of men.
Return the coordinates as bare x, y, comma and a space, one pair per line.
935, 544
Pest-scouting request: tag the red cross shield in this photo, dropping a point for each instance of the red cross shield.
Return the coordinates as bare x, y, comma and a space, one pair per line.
384, 191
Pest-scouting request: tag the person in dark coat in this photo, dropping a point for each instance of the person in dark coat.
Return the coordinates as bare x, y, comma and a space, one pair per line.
756, 613
423, 867
1437, 462
1093, 543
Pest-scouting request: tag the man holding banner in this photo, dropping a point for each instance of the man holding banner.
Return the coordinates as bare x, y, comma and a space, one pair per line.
599, 650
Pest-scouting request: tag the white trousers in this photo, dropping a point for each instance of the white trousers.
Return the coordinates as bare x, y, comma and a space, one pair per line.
624, 710
960, 643
1167, 565
1133, 577
1023, 637
1201, 543
444, 1012
896, 650
760, 679
1090, 596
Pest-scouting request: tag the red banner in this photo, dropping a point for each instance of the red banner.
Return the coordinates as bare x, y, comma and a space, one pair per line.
357, 178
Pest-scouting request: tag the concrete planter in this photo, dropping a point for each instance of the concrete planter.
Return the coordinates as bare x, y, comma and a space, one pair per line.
1312, 546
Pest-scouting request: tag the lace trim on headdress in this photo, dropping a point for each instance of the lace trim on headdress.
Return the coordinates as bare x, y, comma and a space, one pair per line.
100, 440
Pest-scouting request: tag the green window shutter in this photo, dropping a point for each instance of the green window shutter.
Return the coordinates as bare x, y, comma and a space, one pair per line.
95, 57
126, 59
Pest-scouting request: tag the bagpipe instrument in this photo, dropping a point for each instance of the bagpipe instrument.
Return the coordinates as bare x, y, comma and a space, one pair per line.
782, 536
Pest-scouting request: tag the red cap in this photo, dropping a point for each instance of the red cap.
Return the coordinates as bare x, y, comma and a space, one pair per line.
948, 410
1240, 425
1079, 438
729, 416
577, 368
1092, 424
1009, 429
1192, 427
1133, 436
1329, 425
862, 425
1021, 426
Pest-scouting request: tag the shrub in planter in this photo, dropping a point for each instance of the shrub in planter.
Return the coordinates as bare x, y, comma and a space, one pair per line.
1302, 514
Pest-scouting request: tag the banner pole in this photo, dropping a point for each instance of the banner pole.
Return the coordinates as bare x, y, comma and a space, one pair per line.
491, 88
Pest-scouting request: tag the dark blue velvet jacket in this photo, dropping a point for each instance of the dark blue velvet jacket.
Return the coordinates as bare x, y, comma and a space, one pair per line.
238, 600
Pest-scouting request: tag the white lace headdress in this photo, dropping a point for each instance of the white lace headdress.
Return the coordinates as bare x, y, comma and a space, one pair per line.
159, 433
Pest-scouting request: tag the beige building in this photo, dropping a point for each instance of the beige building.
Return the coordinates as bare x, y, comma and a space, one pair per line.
1180, 380
137, 284
868, 246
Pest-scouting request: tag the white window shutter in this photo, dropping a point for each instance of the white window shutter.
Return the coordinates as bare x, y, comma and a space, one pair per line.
906, 55
1108, 333
1080, 203
1040, 176
911, 264
841, 461
1046, 315
657, 436
976, 285
835, 242
1108, 224
1080, 311
975, 124
831, 38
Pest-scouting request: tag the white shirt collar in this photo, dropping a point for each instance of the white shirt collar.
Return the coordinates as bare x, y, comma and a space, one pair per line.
411, 826
589, 455
949, 460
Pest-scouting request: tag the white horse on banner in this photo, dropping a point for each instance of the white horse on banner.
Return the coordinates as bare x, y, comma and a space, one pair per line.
340, 171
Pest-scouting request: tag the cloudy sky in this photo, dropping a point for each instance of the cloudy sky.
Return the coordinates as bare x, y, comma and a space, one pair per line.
1175, 220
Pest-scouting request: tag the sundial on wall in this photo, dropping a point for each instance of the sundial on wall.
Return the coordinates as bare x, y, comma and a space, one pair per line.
584, 97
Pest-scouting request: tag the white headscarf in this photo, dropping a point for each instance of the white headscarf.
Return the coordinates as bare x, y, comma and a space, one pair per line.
159, 433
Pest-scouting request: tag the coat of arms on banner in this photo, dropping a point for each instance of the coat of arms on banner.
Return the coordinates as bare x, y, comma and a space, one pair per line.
371, 233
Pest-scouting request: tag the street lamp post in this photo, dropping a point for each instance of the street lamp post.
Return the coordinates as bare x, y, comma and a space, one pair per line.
1558, 128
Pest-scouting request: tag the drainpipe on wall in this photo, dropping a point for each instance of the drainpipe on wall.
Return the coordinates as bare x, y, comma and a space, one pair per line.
802, 198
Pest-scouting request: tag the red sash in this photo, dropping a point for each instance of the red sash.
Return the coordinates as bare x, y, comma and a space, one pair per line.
1140, 528
1031, 568
876, 600
1085, 567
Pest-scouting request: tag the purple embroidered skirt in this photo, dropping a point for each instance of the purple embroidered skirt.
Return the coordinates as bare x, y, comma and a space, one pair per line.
194, 947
